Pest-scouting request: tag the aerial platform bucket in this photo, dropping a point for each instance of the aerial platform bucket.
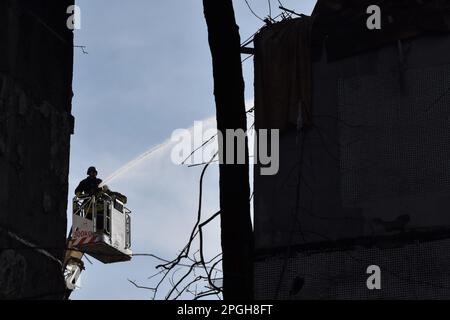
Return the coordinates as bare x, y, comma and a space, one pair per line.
101, 228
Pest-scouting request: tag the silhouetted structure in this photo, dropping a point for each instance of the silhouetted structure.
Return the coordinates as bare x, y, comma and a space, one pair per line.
35, 127
364, 172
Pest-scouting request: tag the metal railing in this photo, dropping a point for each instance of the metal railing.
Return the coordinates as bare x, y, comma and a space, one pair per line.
80, 204
86, 207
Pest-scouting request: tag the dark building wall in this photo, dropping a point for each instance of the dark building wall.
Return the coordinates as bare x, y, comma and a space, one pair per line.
36, 60
408, 271
373, 175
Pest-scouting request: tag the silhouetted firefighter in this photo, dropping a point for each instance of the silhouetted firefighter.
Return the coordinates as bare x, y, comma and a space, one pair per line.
237, 235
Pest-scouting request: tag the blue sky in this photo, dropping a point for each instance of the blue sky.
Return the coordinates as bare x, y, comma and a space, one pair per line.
148, 72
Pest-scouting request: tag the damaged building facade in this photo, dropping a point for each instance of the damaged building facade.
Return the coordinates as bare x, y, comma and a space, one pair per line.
35, 127
364, 173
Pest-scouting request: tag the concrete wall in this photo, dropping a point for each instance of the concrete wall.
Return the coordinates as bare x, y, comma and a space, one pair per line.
373, 167
35, 127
